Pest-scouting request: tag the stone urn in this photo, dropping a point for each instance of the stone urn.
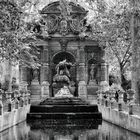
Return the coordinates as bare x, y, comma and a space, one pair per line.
15, 86
131, 94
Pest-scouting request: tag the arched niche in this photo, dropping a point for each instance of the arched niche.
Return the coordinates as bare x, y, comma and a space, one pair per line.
93, 70
69, 57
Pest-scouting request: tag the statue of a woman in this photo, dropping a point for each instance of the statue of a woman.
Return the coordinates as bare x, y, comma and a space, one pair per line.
92, 72
35, 74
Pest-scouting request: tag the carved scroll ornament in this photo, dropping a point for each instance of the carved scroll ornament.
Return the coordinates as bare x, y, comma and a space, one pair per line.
63, 26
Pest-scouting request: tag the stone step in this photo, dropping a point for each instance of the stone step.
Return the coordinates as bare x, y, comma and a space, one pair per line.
63, 108
35, 98
64, 123
64, 101
82, 115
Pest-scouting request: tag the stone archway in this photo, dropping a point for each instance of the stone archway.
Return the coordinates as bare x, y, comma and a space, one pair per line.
69, 57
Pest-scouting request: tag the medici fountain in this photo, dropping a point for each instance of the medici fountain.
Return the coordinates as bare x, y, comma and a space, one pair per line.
64, 105
72, 66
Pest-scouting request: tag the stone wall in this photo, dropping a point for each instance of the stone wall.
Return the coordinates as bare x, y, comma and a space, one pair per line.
125, 116
14, 107
123, 119
9, 119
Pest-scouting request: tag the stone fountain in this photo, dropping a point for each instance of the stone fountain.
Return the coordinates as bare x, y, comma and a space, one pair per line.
62, 80
64, 105
63, 87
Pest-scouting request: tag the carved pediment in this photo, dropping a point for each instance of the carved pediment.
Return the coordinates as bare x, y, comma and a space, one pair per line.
51, 8
54, 8
58, 18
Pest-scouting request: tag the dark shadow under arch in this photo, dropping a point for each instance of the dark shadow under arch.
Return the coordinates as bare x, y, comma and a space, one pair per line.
60, 56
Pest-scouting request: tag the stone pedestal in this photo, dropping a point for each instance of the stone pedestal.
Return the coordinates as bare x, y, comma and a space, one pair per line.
92, 82
82, 89
92, 87
35, 90
45, 89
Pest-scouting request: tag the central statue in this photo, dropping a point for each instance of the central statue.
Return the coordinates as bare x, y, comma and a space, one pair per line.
62, 84
63, 87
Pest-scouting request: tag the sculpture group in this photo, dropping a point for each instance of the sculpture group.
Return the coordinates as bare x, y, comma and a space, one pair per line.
63, 86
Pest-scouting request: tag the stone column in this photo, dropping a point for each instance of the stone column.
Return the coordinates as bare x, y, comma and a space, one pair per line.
82, 87
104, 84
104, 75
45, 73
77, 62
23, 77
104, 69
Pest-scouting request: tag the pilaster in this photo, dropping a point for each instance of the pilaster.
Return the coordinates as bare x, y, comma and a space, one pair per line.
23, 77
104, 73
82, 87
104, 67
45, 72
35, 87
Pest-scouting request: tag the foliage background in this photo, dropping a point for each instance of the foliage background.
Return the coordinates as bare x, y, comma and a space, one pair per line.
108, 19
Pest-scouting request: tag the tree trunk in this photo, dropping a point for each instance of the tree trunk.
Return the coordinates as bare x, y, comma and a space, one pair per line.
126, 84
122, 78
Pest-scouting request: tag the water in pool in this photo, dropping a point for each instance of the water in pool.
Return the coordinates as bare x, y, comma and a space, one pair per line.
40, 130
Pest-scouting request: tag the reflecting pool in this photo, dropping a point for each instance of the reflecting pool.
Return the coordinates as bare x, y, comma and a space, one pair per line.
42, 130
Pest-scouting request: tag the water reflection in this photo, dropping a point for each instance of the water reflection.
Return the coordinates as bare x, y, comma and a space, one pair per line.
40, 131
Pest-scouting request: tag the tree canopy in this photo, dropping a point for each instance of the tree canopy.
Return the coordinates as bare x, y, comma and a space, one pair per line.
111, 26
14, 44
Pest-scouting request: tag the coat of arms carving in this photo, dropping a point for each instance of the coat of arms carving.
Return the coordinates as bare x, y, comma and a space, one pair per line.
63, 27
68, 18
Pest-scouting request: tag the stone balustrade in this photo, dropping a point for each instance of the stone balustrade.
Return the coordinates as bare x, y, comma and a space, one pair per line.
109, 100
13, 100
120, 111
14, 107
